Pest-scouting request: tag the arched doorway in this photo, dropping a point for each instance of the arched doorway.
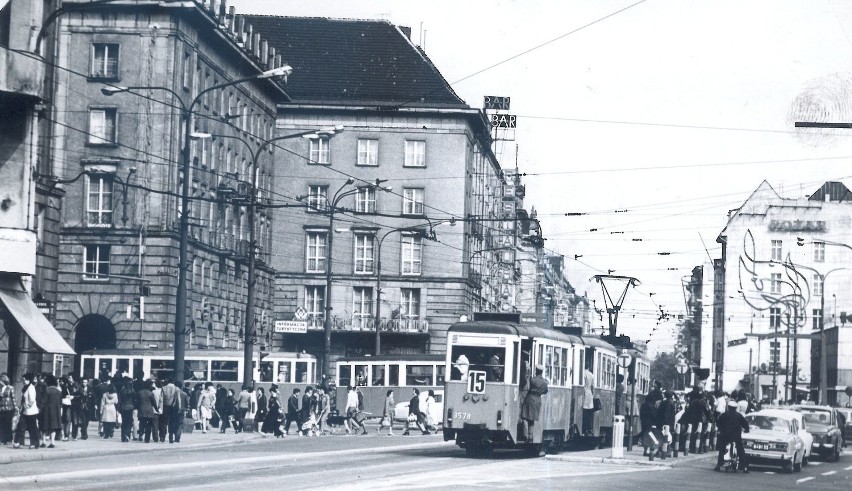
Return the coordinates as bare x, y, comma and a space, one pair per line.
94, 332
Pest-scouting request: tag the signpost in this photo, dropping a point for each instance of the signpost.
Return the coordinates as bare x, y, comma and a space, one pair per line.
291, 326
624, 360
682, 368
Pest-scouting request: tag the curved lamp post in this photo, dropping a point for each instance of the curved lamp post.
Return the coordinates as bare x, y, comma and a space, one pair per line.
187, 113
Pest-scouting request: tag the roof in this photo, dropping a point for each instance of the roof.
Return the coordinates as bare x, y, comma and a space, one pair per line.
526, 330
779, 413
355, 62
834, 191
203, 353
392, 358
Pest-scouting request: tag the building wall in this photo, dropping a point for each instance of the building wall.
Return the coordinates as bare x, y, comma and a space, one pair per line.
760, 215
446, 292
183, 49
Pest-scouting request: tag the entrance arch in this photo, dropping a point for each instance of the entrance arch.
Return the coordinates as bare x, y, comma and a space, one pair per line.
94, 332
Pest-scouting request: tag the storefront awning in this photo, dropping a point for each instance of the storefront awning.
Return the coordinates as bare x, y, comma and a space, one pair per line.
32, 321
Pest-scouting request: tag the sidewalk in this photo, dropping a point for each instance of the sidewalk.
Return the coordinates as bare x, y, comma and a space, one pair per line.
603, 455
96, 446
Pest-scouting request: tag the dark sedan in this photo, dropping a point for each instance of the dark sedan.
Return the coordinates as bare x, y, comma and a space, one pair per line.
821, 422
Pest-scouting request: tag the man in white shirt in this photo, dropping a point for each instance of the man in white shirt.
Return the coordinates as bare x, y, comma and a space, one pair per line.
29, 412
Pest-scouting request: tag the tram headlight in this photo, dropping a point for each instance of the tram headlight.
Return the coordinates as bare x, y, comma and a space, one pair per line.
499, 418
449, 420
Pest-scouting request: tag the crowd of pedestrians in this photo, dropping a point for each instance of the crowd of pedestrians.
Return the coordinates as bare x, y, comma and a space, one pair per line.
51, 409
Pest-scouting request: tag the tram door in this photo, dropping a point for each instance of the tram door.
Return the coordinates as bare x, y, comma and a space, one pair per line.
527, 368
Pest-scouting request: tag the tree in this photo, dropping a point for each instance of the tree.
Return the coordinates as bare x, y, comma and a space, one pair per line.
663, 369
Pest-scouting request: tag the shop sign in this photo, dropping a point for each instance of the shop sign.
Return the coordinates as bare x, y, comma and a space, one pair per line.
797, 226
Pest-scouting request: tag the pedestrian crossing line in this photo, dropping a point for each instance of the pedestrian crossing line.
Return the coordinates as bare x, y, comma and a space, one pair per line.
769, 472
829, 473
848, 468
805, 479
814, 463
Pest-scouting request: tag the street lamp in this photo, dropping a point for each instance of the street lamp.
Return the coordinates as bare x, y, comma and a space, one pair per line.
186, 114
416, 230
248, 326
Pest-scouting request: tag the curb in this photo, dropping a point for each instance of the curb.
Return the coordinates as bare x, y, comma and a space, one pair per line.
668, 463
28, 455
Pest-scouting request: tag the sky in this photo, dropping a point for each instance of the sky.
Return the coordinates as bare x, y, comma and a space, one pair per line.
654, 118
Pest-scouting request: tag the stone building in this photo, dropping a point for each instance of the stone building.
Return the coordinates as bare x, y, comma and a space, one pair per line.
127, 70
439, 229
782, 275
28, 341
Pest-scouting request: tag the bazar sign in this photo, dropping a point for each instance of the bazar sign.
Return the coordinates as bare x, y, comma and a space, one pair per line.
796, 226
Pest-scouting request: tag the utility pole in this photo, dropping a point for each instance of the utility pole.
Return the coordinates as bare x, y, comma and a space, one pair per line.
795, 353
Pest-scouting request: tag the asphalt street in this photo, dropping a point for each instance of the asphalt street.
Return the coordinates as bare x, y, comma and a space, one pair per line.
385, 463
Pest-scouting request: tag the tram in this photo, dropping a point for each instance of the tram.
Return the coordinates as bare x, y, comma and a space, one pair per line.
287, 370
487, 361
375, 375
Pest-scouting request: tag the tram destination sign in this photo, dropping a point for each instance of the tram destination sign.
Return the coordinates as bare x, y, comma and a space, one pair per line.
291, 326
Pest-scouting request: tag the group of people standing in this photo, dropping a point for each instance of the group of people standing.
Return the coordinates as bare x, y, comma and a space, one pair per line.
309, 410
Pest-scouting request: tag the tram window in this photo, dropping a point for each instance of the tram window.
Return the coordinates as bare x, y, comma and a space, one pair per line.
137, 365
283, 372
548, 364
563, 367
419, 374
123, 366
224, 371
393, 372
161, 368
196, 369
266, 371
361, 375
378, 375
89, 368
301, 372
105, 369
344, 376
491, 360
441, 375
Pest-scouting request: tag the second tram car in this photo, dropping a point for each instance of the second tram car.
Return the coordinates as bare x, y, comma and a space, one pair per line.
487, 363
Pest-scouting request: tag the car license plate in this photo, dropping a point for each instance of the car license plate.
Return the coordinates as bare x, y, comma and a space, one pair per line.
759, 446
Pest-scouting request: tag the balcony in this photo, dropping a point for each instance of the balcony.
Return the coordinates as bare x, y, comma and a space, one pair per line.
21, 74
226, 242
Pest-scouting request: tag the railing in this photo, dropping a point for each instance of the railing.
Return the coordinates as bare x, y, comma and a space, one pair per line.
227, 242
367, 324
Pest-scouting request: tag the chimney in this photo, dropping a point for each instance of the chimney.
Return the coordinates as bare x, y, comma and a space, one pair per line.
407, 31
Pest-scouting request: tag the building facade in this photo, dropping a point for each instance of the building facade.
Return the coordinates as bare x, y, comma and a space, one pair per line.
413, 186
783, 274
132, 77
28, 342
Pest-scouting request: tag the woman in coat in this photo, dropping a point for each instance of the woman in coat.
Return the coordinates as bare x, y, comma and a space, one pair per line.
272, 422
260, 414
387, 414
52, 410
109, 411
227, 412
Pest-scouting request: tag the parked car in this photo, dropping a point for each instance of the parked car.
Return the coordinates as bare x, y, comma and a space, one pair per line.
821, 423
400, 412
847, 417
774, 439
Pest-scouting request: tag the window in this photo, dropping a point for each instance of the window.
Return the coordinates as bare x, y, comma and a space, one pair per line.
409, 308
187, 70
774, 317
819, 252
412, 201
319, 151
816, 316
102, 126
362, 307
419, 374
774, 353
316, 252
415, 153
223, 371
96, 262
775, 286
365, 200
315, 301
412, 251
776, 250
317, 198
104, 60
364, 253
99, 200
368, 152
817, 285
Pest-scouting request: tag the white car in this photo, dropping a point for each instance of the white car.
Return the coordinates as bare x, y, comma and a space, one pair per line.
774, 439
400, 412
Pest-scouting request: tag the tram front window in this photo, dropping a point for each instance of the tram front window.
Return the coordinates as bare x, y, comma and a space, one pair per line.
491, 360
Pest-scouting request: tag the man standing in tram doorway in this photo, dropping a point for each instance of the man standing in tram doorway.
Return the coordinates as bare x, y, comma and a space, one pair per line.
531, 406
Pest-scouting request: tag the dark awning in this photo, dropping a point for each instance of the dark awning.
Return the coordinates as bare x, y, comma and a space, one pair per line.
32, 321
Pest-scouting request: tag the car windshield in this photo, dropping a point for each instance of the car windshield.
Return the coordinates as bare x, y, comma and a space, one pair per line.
817, 417
773, 423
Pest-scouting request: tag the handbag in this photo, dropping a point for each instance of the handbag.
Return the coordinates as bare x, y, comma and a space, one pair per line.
596, 403
385, 422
